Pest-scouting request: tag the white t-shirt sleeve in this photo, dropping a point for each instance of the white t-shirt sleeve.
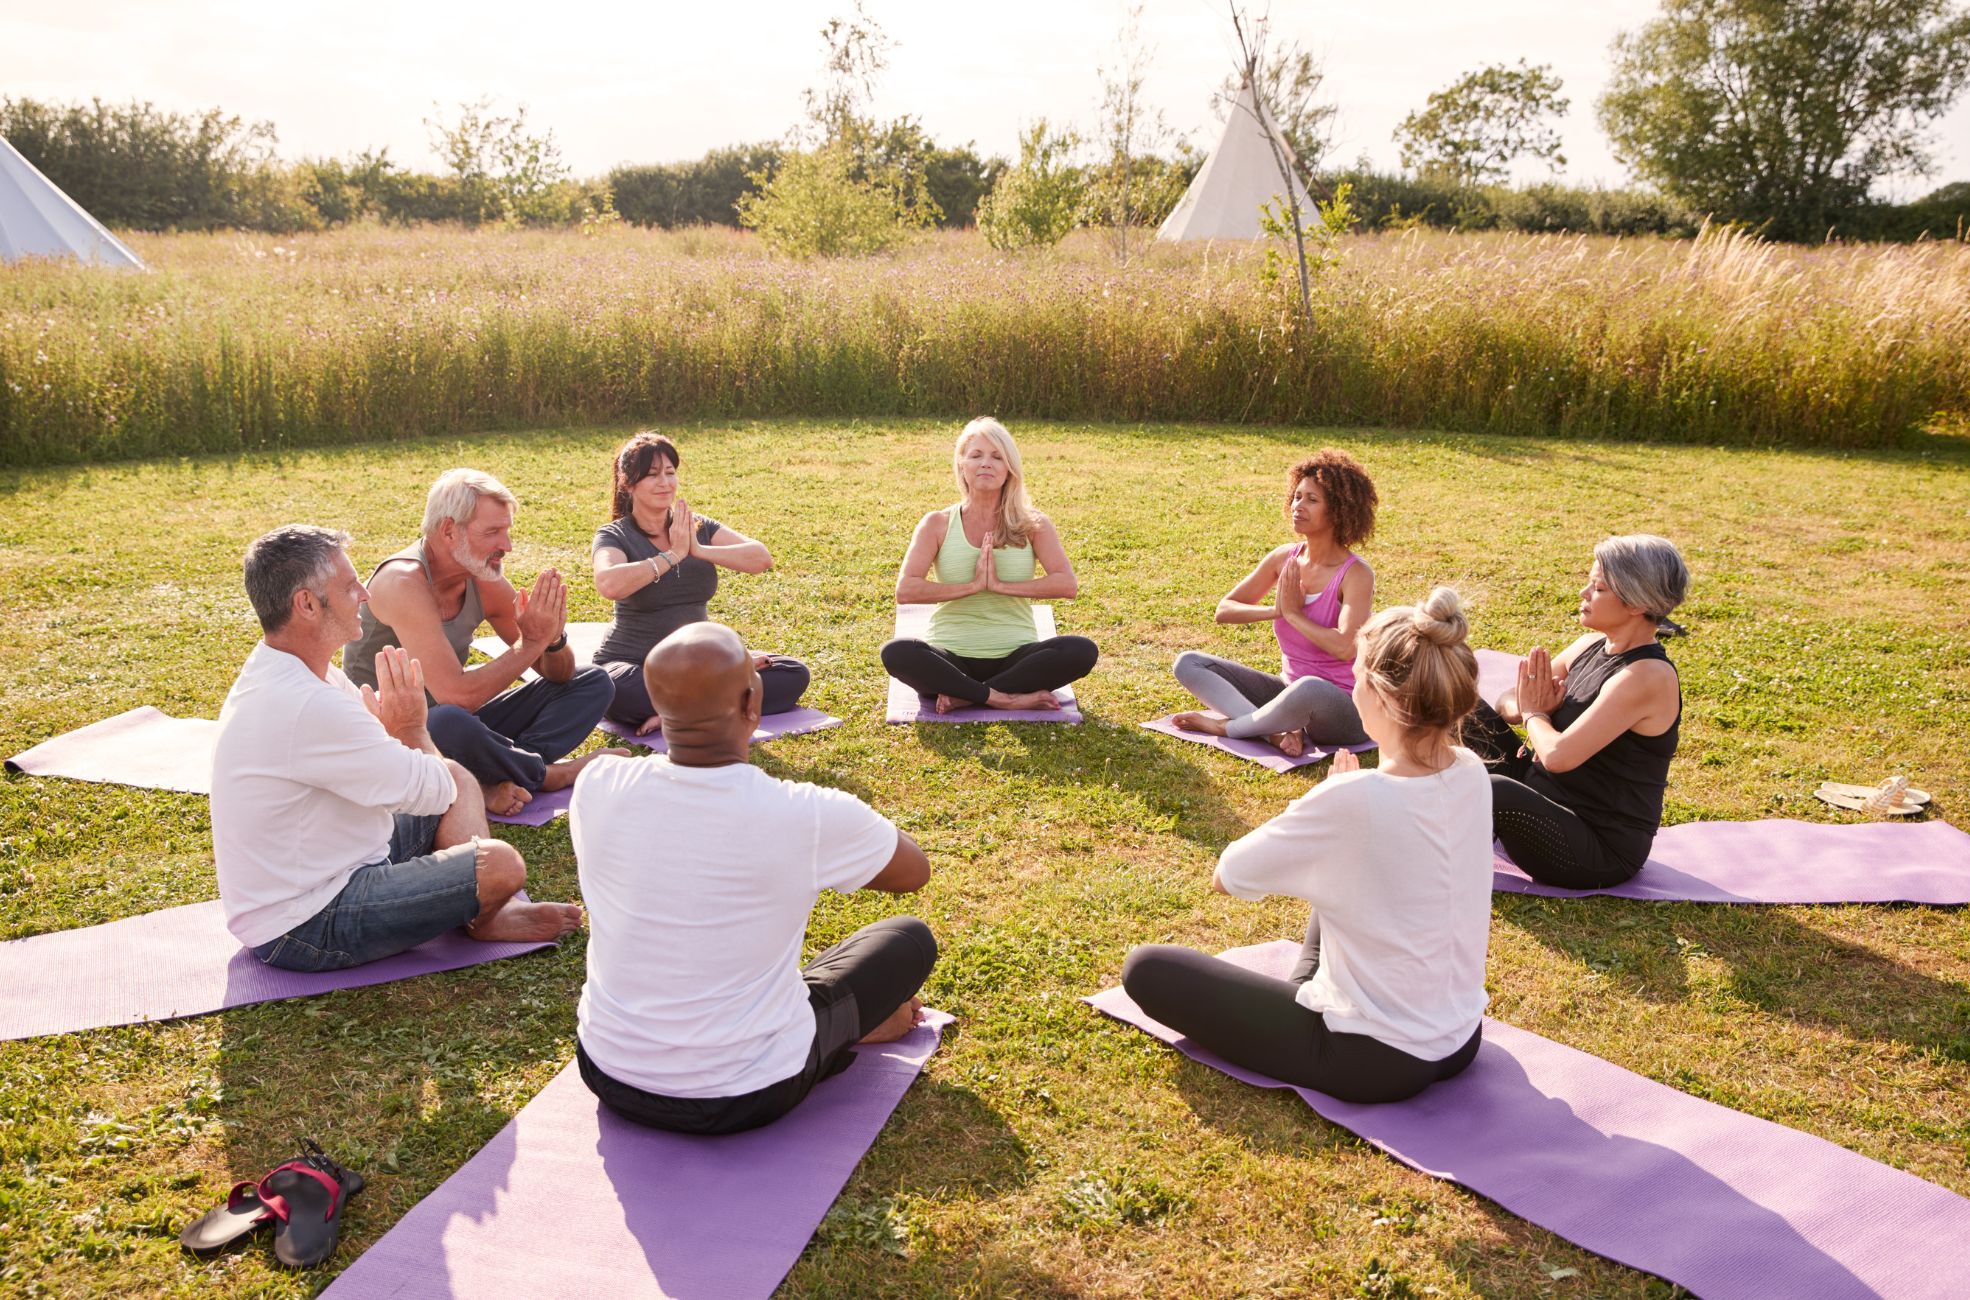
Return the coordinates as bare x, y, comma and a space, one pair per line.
1316, 836
340, 747
852, 841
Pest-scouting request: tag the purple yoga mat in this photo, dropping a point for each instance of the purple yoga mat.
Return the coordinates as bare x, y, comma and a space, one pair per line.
539, 810
1254, 751
180, 962
794, 722
1781, 861
905, 705
1720, 1202
142, 747
570, 1201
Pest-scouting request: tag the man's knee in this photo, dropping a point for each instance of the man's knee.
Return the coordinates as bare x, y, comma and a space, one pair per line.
592, 684
501, 869
921, 941
460, 777
451, 727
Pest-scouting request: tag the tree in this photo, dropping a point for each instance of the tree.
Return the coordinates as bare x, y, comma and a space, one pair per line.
504, 173
1784, 112
1471, 131
1130, 184
1038, 201
1289, 84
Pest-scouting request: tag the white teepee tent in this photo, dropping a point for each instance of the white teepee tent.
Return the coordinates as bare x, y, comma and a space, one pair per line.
1240, 175
38, 220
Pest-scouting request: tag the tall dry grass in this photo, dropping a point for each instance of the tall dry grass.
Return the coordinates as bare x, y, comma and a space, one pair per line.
248, 341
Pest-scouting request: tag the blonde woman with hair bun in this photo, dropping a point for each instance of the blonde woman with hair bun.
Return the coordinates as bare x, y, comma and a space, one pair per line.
1578, 801
1388, 994
982, 563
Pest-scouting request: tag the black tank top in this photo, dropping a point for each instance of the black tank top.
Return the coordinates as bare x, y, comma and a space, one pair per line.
1617, 792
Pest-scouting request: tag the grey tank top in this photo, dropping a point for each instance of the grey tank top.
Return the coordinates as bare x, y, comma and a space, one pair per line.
653, 612
359, 656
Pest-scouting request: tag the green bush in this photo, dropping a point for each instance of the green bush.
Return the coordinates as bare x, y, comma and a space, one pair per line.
1036, 203
814, 205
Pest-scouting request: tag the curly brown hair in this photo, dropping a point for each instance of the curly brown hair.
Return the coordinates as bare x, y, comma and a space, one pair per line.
1350, 493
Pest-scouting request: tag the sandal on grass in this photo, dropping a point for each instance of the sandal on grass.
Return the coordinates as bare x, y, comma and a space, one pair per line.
1892, 798
306, 1197
242, 1215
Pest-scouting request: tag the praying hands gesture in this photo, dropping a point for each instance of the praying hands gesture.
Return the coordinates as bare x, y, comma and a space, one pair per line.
986, 578
1345, 760
683, 532
1288, 603
1541, 687
542, 612
398, 698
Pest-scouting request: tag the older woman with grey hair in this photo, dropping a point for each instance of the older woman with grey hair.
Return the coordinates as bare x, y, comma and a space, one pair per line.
1577, 802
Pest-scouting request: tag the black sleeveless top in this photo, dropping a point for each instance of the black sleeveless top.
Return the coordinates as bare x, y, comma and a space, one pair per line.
1617, 792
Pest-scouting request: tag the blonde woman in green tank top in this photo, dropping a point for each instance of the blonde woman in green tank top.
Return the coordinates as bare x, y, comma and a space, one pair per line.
982, 563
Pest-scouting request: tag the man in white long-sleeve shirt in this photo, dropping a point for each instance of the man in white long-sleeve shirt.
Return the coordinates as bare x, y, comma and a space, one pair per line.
341, 835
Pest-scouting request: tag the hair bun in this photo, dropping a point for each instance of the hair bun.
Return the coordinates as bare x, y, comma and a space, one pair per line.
1440, 618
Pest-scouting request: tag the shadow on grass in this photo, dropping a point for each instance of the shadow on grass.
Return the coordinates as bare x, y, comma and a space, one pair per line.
1775, 963
1102, 754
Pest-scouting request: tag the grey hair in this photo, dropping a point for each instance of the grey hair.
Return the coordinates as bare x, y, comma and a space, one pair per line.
1645, 571
455, 496
287, 560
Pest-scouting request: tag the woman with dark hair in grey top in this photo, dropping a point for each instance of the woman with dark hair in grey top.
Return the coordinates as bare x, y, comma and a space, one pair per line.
659, 563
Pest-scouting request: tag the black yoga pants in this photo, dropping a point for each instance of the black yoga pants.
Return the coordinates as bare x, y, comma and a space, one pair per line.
1037, 666
781, 682
1256, 1021
1548, 840
853, 987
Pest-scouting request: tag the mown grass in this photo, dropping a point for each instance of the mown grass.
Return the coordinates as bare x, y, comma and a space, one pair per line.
1045, 1151
366, 334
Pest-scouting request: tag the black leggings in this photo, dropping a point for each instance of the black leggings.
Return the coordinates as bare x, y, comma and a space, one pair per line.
1038, 666
1548, 840
853, 987
781, 682
1256, 1021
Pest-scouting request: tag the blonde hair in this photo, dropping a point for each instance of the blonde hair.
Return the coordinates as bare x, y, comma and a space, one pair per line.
1016, 520
1418, 659
455, 496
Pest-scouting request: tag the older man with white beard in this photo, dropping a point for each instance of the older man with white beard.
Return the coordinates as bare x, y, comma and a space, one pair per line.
431, 597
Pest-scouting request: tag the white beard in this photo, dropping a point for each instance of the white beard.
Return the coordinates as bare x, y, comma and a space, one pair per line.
472, 564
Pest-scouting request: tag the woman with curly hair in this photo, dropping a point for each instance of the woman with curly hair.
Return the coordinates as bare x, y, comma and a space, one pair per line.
1321, 594
659, 563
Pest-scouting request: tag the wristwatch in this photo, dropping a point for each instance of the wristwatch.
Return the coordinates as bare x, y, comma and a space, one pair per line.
558, 643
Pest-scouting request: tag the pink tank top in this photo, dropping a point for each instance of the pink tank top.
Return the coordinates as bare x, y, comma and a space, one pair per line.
1300, 657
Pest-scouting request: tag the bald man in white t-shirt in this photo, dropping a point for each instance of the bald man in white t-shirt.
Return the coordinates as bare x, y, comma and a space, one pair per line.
699, 872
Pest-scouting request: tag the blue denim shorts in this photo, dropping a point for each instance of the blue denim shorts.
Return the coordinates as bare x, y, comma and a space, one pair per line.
387, 906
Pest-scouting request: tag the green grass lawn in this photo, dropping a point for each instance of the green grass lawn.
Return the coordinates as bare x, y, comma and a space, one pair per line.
1046, 1151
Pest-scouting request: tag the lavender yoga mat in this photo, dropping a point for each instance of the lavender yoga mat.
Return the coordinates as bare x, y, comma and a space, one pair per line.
143, 747
180, 962
1719, 1202
155, 751
570, 1201
794, 722
905, 705
1781, 861
1255, 751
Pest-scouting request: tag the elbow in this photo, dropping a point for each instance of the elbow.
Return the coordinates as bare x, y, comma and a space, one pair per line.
765, 563
1223, 614
916, 879
1558, 759
1070, 587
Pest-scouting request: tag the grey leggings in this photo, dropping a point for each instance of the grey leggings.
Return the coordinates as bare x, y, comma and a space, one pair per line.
1257, 1022
1265, 704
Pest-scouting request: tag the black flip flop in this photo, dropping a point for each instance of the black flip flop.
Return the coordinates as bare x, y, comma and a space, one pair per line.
306, 1197
242, 1215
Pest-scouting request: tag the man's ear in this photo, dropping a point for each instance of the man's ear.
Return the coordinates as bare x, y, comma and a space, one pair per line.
751, 702
304, 604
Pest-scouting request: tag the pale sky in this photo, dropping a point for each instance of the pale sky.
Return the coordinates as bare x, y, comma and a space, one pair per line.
661, 81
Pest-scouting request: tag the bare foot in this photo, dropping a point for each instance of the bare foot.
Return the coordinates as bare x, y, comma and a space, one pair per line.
949, 703
1290, 743
1023, 700
1208, 723
505, 798
901, 1021
561, 775
528, 922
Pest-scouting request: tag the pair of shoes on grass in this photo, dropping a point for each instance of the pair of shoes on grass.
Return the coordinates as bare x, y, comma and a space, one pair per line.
303, 1199
1892, 798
